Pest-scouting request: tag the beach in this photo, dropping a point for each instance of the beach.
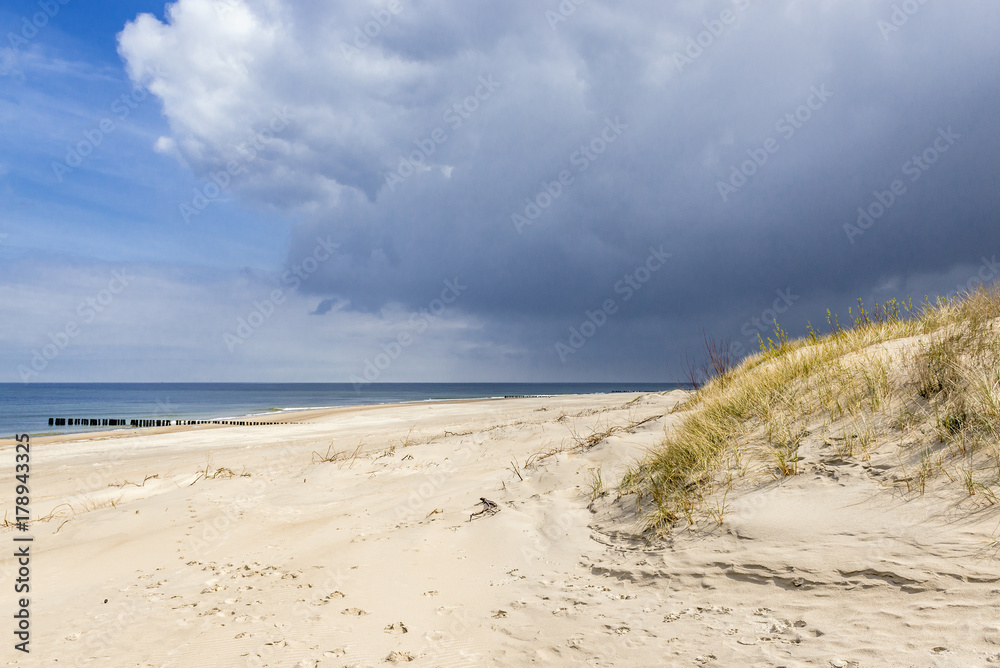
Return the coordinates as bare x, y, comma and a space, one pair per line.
346, 537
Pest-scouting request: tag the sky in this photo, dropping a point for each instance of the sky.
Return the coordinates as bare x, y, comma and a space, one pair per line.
456, 190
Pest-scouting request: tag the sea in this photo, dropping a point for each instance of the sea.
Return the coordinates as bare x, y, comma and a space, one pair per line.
25, 408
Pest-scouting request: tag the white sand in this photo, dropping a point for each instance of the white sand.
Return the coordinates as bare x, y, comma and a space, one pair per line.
374, 558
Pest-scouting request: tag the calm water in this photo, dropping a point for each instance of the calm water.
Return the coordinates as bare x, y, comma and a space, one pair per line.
26, 407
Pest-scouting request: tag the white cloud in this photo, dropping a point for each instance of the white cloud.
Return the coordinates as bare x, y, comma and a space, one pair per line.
166, 146
354, 110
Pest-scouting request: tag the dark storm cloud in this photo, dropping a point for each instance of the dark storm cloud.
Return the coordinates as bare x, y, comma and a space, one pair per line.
428, 151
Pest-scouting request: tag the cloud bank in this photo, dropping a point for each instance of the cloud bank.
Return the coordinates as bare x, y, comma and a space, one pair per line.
537, 152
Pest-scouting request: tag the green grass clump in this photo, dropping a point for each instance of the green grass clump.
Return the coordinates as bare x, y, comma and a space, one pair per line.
895, 370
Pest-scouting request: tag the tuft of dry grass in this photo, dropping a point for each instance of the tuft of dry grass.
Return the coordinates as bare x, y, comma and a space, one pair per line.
598, 435
137, 484
223, 472
337, 457
898, 370
597, 486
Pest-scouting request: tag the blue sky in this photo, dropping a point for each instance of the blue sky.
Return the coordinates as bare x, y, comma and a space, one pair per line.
119, 204
443, 190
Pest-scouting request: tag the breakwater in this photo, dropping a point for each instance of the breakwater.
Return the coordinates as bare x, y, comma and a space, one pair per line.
140, 423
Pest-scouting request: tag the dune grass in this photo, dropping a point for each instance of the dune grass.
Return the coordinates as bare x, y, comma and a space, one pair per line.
931, 372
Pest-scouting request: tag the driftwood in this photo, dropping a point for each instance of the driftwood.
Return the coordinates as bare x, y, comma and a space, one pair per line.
489, 508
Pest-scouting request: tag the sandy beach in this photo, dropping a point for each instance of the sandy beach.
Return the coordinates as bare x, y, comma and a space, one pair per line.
344, 538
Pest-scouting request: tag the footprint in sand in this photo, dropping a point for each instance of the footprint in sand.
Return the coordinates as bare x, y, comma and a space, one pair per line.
329, 597
718, 609
397, 627
357, 612
213, 611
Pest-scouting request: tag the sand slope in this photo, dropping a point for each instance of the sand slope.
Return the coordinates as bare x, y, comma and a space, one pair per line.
372, 559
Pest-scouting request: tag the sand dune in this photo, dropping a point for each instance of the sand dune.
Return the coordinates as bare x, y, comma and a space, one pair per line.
235, 546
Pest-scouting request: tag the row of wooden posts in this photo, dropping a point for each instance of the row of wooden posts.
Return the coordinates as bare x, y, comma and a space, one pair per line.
113, 422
